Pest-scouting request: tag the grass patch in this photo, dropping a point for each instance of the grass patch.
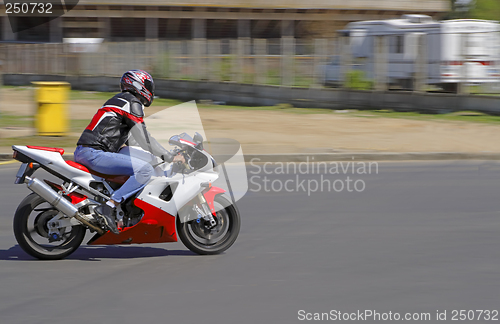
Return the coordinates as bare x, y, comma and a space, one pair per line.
467, 116
280, 108
73, 94
464, 116
7, 120
90, 95
104, 96
28, 121
165, 102
78, 125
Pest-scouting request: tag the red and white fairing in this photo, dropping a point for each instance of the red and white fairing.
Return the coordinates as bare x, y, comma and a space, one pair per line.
158, 223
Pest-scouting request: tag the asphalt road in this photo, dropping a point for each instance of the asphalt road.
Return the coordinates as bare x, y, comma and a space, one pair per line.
420, 238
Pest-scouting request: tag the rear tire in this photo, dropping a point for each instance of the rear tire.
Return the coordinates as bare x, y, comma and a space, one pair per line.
31, 231
202, 241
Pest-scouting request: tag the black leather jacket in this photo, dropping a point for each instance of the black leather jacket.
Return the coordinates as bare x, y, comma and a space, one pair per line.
114, 121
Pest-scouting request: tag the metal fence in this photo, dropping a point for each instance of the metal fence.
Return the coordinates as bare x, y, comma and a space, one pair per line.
284, 62
275, 62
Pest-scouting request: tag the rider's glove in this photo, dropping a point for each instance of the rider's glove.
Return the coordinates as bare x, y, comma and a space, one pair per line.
167, 156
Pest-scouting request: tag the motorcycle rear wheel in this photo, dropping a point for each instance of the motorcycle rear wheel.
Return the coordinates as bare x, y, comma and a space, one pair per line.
203, 241
31, 232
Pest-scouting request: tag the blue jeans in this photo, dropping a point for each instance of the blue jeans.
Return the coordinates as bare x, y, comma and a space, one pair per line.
123, 163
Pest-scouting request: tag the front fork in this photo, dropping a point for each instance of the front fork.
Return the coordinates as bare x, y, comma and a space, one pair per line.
204, 211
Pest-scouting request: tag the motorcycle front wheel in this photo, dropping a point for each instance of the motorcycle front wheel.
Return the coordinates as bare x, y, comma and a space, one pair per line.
198, 238
31, 230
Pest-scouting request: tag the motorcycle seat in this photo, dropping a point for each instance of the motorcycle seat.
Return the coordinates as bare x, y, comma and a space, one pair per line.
119, 179
43, 148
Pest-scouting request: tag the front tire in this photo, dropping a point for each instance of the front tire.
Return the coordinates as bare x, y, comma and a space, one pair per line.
31, 230
200, 240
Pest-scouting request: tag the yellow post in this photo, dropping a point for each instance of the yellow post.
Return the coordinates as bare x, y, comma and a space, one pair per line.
51, 118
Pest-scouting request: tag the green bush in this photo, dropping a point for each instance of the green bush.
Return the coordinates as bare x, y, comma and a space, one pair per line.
356, 80
162, 67
225, 68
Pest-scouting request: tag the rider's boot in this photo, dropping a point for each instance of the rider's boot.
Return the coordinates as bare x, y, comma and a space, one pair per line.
107, 215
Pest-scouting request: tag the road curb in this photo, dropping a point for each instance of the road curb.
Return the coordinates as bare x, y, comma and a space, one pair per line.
326, 157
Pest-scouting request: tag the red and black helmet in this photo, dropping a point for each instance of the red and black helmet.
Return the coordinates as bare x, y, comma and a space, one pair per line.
140, 83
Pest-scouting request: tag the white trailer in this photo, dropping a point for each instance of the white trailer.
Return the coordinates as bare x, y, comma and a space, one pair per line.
443, 53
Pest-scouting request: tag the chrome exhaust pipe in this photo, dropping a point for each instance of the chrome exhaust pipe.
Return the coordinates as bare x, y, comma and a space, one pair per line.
52, 197
58, 201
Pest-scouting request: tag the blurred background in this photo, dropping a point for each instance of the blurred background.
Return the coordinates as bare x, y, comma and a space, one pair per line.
431, 56
295, 80
408, 45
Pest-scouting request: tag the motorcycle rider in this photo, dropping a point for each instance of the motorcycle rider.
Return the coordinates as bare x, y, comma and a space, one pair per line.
99, 145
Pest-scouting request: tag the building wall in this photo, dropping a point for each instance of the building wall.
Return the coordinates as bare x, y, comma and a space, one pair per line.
436, 5
125, 20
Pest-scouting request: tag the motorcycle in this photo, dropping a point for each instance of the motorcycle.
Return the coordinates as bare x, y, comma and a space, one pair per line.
179, 200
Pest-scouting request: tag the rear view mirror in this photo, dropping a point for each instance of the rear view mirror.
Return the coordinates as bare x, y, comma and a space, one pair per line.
197, 138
